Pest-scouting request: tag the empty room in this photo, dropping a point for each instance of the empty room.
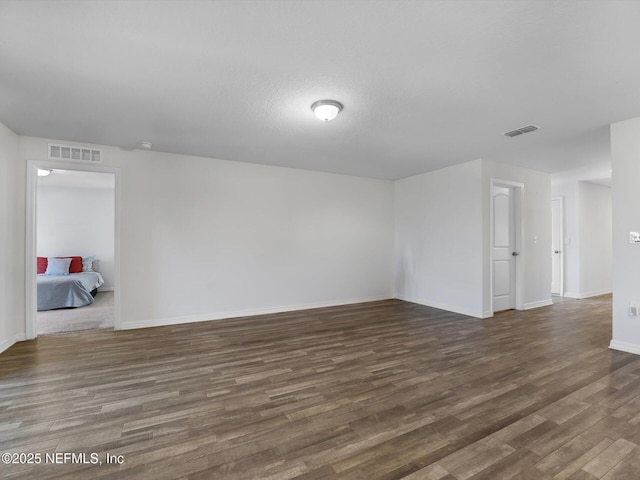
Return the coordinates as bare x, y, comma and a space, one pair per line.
318, 239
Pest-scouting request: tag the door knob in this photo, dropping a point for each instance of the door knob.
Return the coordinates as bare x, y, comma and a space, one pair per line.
515, 254
556, 251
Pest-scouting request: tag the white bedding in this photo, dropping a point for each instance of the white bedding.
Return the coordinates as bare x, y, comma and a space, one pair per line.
63, 291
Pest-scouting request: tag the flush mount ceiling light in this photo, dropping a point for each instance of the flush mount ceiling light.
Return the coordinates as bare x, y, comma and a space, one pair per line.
43, 172
146, 145
326, 109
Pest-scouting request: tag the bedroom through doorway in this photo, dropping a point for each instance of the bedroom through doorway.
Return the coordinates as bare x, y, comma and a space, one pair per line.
75, 247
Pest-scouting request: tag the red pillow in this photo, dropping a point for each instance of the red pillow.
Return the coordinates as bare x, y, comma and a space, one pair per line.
75, 267
42, 265
76, 264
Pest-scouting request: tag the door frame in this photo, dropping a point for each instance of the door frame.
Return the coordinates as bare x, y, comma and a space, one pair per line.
518, 197
560, 198
31, 290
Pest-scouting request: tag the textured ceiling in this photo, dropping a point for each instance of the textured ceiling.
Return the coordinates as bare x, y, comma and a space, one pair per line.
425, 84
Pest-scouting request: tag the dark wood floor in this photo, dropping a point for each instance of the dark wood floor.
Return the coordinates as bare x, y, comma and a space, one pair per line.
384, 390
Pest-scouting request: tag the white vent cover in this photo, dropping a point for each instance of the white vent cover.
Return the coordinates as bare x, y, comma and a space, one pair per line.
521, 130
78, 154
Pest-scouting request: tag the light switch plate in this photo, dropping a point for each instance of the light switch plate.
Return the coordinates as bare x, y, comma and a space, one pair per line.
634, 237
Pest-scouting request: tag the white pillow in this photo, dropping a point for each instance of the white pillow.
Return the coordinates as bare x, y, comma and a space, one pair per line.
88, 264
58, 266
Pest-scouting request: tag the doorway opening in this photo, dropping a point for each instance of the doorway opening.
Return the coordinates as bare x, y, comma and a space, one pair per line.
72, 248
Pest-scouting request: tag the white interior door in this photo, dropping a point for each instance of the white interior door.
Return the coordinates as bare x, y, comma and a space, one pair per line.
556, 247
503, 248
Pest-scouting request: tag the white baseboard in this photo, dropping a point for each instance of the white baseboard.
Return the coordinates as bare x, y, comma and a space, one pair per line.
625, 347
539, 303
450, 308
4, 345
243, 313
9, 342
597, 292
470, 312
586, 294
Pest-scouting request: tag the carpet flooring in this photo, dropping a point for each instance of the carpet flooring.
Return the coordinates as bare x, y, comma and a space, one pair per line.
97, 315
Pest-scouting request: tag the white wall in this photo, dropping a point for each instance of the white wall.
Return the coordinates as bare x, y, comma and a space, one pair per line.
439, 238
77, 221
535, 258
443, 237
595, 239
203, 238
625, 152
12, 225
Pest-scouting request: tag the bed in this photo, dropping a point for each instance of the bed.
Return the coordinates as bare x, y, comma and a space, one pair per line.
59, 288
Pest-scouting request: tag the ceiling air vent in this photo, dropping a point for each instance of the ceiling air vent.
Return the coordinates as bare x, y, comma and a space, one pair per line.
79, 154
521, 130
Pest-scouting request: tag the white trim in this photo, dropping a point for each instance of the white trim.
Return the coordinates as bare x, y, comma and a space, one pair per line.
31, 302
9, 342
243, 313
30, 266
595, 293
519, 240
581, 295
450, 308
538, 304
625, 347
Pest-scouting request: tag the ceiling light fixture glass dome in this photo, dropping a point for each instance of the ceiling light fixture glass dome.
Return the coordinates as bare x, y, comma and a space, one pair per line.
326, 109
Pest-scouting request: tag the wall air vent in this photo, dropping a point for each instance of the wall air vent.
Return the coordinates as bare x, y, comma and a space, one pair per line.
521, 130
76, 154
